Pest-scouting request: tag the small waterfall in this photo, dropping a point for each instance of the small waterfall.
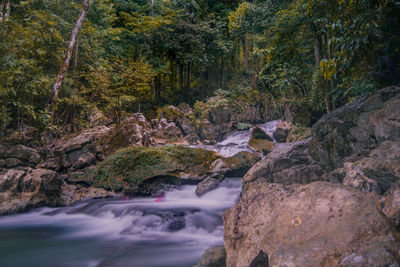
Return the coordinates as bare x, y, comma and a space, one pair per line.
237, 141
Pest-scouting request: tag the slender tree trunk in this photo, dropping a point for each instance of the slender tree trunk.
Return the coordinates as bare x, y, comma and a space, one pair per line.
75, 85
317, 45
188, 79
181, 79
65, 64
246, 52
173, 77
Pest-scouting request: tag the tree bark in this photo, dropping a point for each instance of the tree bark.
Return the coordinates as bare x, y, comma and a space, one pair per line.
188, 79
246, 52
317, 45
65, 64
181, 79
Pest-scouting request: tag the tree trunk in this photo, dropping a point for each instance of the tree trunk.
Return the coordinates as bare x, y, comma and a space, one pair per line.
246, 52
181, 79
188, 79
65, 64
173, 77
317, 45
75, 84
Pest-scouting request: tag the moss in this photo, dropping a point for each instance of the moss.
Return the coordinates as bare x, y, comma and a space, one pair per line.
243, 126
299, 133
258, 133
128, 168
261, 145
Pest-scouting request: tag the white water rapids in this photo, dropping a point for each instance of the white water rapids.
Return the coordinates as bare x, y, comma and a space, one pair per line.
142, 232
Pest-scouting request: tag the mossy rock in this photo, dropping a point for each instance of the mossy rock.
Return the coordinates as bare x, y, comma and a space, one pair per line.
261, 145
130, 168
243, 126
258, 133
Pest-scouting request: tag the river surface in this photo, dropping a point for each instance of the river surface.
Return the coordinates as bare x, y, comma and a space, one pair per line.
169, 231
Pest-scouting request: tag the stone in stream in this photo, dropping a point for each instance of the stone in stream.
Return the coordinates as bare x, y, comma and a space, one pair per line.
235, 166
282, 131
260, 141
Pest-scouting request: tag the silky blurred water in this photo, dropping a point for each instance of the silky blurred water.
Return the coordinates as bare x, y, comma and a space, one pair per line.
133, 232
237, 141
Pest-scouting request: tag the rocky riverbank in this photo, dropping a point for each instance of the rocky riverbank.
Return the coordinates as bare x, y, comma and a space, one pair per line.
329, 200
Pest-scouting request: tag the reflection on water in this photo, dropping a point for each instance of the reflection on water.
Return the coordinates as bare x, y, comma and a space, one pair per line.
134, 232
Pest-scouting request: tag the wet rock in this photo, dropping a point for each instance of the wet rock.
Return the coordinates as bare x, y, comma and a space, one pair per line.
282, 131
72, 193
311, 225
26, 188
213, 257
260, 141
235, 166
207, 185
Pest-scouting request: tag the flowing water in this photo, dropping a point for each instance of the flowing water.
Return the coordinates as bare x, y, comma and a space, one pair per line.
172, 231
238, 140
142, 232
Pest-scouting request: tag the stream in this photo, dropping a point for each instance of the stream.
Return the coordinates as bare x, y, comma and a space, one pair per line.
145, 232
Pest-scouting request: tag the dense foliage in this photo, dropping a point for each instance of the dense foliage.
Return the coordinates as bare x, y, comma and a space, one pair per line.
135, 55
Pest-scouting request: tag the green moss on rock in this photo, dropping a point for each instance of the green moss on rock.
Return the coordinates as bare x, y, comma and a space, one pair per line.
261, 145
129, 168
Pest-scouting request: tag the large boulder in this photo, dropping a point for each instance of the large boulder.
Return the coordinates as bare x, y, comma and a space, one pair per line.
145, 170
25, 188
351, 131
319, 224
286, 164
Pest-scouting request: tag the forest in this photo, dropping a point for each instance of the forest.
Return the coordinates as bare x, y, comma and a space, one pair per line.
140, 55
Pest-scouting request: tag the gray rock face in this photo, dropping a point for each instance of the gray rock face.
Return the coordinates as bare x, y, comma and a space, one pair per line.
25, 188
319, 224
235, 166
390, 205
213, 257
282, 131
289, 217
286, 164
355, 129
19, 155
